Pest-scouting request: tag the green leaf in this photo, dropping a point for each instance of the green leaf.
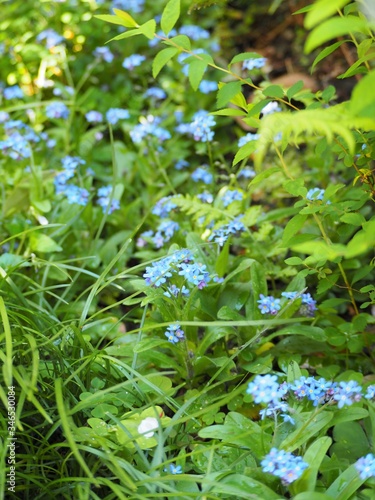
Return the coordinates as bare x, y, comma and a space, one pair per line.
306, 429
264, 175
161, 59
273, 91
170, 15
333, 28
148, 29
326, 52
314, 457
346, 484
126, 18
245, 151
116, 20
182, 41
43, 243
294, 372
312, 495
229, 112
355, 219
244, 56
240, 486
294, 89
226, 92
197, 69
292, 228
296, 188
147, 344
322, 10
293, 261
362, 101
127, 34
222, 261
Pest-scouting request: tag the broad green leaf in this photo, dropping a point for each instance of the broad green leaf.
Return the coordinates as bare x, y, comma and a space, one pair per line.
306, 429
346, 484
312, 495
43, 243
127, 34
147, 344
161, 59
245, 151
181, 41
241, 486
294, 372
322, 10
292, 227
326, 52
229, 112
102, 410
264, 175
314, 457
294, 89
293, 261
148, 29
226, 92
127, 18
170, 15
197, 69
296, 187
116, 20
273, 91
333, 28
362, 101
356, 219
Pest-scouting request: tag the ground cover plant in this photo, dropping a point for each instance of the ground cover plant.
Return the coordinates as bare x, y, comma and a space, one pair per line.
187, 252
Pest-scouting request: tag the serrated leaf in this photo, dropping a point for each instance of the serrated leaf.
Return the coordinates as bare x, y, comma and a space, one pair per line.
197, 69
355, 219
322, 10
161, 59
273, 91
127, 18
170, 16
227, 92
148, 29
333, 28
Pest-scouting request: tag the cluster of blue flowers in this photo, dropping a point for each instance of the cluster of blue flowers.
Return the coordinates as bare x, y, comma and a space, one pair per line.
57, 110
221, 234
271, 107
73, 193
230, 196
135, 6
207, 86
270, 305
180, 263
133, 61
18, 137
246, 173
104, 200
284, 465
50, 38
366, 466
149, 126
174, 333
254, 63
164, 206
247, 138
200, 127
13, 92
114, 115
201, 174
103, 54
266, 389
164, 232
155, 93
